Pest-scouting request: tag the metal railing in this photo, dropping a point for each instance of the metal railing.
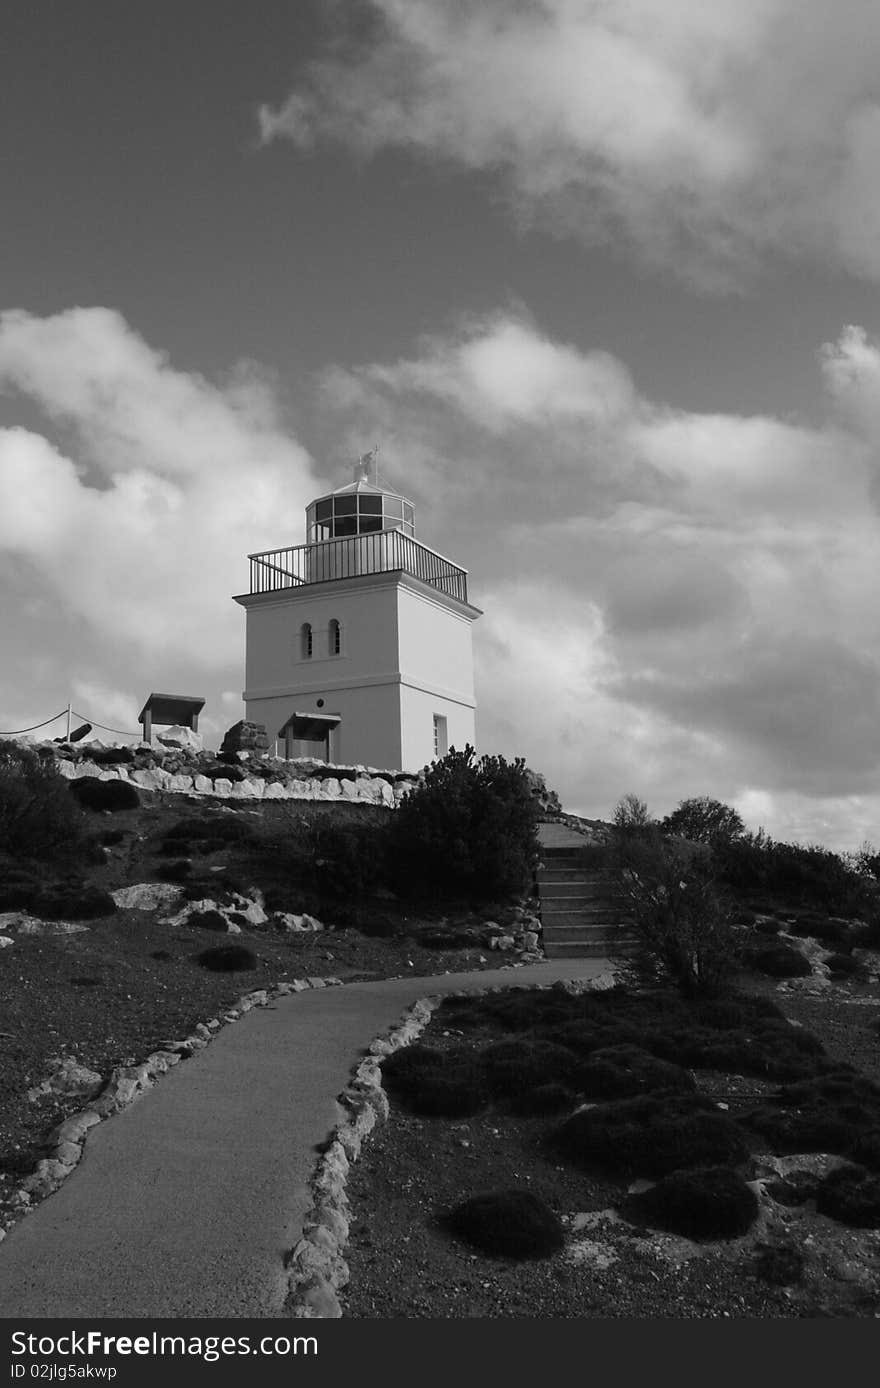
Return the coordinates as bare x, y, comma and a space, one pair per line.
381, 551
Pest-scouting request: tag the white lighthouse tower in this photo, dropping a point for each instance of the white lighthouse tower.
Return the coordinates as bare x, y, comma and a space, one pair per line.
359, 642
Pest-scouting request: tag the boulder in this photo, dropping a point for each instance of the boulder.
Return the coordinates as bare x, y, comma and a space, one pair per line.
178, 736
67, 1078
245, 737
147, 896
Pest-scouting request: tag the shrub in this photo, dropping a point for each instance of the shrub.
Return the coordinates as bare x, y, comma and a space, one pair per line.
19, 887
544, 1098
851, 1195
174, 872
468, 831
437, 1083
208, 920
682, 921
650, 1136
811, 875
843, 965
514, 1067
704, 820
828, 1113
866, 1149
76, 902
780, 1264
94, 794
779, 961
227, 958
38, 818
819, 927
509, 1223
620, 1072
710, 1202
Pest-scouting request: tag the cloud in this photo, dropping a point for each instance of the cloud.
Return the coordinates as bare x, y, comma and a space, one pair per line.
674, 603
139, 521
707, 136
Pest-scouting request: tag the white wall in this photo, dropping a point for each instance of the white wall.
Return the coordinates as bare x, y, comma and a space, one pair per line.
405, 656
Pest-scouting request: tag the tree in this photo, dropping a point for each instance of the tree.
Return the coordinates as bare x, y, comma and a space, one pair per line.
704, 820
631, 814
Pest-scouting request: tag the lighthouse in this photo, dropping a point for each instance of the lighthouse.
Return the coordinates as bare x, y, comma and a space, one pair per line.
359, 644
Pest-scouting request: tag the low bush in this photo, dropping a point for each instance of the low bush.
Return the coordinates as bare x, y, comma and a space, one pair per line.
110, 837
851, 1195
174, 872
809, 875
866, 1149
38, 818
620, 1072
711, 1202
650, 1136
544, 1098
19, 887
227, 958
828, 1113
436, 1083
819, 927
842, 965
208, 920
75, 902
779, 961
780, 1264
508, 1223
513, 1067
94, 794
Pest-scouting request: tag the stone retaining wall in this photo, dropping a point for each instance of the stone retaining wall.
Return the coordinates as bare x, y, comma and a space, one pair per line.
241, 776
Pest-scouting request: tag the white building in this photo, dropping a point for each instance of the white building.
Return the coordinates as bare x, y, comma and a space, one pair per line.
359, 641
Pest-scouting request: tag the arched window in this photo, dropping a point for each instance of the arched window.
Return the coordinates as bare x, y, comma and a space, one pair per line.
334, 644
305, 638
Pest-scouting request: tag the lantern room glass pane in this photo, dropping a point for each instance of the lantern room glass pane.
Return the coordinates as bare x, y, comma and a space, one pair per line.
370, 505
345, 525
323, 510
345, 506
407, 513
370, 523
393, 508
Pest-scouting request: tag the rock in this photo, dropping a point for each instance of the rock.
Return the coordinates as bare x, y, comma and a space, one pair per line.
530, 940
285, 920
150, 778
202, 785
5, 941
245, 736
223, 787
147, 896
178, 736
68, 1078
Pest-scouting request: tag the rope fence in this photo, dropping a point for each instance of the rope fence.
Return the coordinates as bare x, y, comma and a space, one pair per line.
68, 713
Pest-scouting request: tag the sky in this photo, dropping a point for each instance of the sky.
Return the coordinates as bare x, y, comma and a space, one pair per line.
600, 277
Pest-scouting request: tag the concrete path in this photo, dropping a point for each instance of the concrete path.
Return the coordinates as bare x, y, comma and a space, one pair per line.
186, 1203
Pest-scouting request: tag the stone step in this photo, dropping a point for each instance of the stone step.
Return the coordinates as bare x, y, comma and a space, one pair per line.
589, 909
579, 891
587, 949
564, 929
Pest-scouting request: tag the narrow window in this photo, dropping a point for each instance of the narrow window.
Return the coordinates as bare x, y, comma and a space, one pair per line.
441, 745
334, 644
305, 637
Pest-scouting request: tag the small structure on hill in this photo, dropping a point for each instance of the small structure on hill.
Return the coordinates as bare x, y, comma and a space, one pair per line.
167, 710
359, 643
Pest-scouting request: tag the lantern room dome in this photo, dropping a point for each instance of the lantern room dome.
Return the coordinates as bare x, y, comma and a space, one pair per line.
359, 508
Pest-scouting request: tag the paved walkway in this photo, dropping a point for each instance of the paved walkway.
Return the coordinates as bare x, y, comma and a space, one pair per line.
186, 1203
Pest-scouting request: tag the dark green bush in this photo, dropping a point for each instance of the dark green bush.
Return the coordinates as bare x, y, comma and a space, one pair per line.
76, 902
508, 1223
828, 1113
779, 961
682, 920
208, 920
621, 1072
544, 1098
780, 1264
95, 794
514, 1067
851, 1195
437, 1083
38, 818
842, 965
20, 887
711, 1202
810, 875
468, 832
174, 872
227, 958
650, 1136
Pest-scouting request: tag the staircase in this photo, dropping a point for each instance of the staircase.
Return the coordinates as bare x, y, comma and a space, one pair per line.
581, 908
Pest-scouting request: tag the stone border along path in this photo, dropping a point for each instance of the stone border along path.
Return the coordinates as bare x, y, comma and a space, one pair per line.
189, 1203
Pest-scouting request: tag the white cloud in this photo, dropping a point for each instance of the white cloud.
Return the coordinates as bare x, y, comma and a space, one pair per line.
140, 526
675, 603
705, 134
